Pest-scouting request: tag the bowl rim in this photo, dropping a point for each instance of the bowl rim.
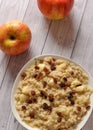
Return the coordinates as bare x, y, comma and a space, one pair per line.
31, 62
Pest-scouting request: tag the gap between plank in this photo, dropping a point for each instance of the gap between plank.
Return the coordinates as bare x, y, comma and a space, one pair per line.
9, 63
5, 72
46, 37
44, 45
26, 10
10, 57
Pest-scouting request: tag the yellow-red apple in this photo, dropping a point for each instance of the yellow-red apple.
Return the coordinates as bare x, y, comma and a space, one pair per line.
55, 9
15, 37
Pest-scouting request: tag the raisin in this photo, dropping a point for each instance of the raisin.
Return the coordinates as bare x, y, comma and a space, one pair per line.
33, 93
51, 97
65, 79
53, 67
59, 119
72, 102
35, 75
23, 107
59, 129
36, 67
23, 75
55, 80
62, 85
32, 114
46, 70
45, 106
43, 94
32, 100
44, 83
70, 95
50, 62
54, 59
73, 92
49, 108
72, 73
88, 107
78, 85
79, 108
29, 101
59, 114
39, 76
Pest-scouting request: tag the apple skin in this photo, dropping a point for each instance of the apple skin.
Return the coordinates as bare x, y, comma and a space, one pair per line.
15, 37
55, 9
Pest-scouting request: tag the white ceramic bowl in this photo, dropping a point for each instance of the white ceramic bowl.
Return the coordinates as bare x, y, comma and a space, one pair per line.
29, 63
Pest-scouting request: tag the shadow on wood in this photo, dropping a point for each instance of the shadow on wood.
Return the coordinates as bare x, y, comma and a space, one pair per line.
61, 36
17, 62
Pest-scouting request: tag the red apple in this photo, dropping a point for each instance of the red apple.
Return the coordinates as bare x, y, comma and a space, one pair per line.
15, 37
55, 9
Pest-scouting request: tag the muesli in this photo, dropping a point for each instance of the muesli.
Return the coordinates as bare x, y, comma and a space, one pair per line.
53, 94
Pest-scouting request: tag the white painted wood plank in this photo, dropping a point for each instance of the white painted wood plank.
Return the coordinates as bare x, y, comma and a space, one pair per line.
39, 27
39, 30
10, 10
83, 50
63, 33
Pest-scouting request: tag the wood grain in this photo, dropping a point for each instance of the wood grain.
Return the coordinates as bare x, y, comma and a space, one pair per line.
15, 63
10, 10
83, 50
70, 37
62, 34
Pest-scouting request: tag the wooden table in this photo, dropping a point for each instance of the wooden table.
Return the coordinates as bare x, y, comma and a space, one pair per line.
71, 37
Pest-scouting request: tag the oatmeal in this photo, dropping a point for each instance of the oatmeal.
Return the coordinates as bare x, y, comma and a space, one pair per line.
53, 94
